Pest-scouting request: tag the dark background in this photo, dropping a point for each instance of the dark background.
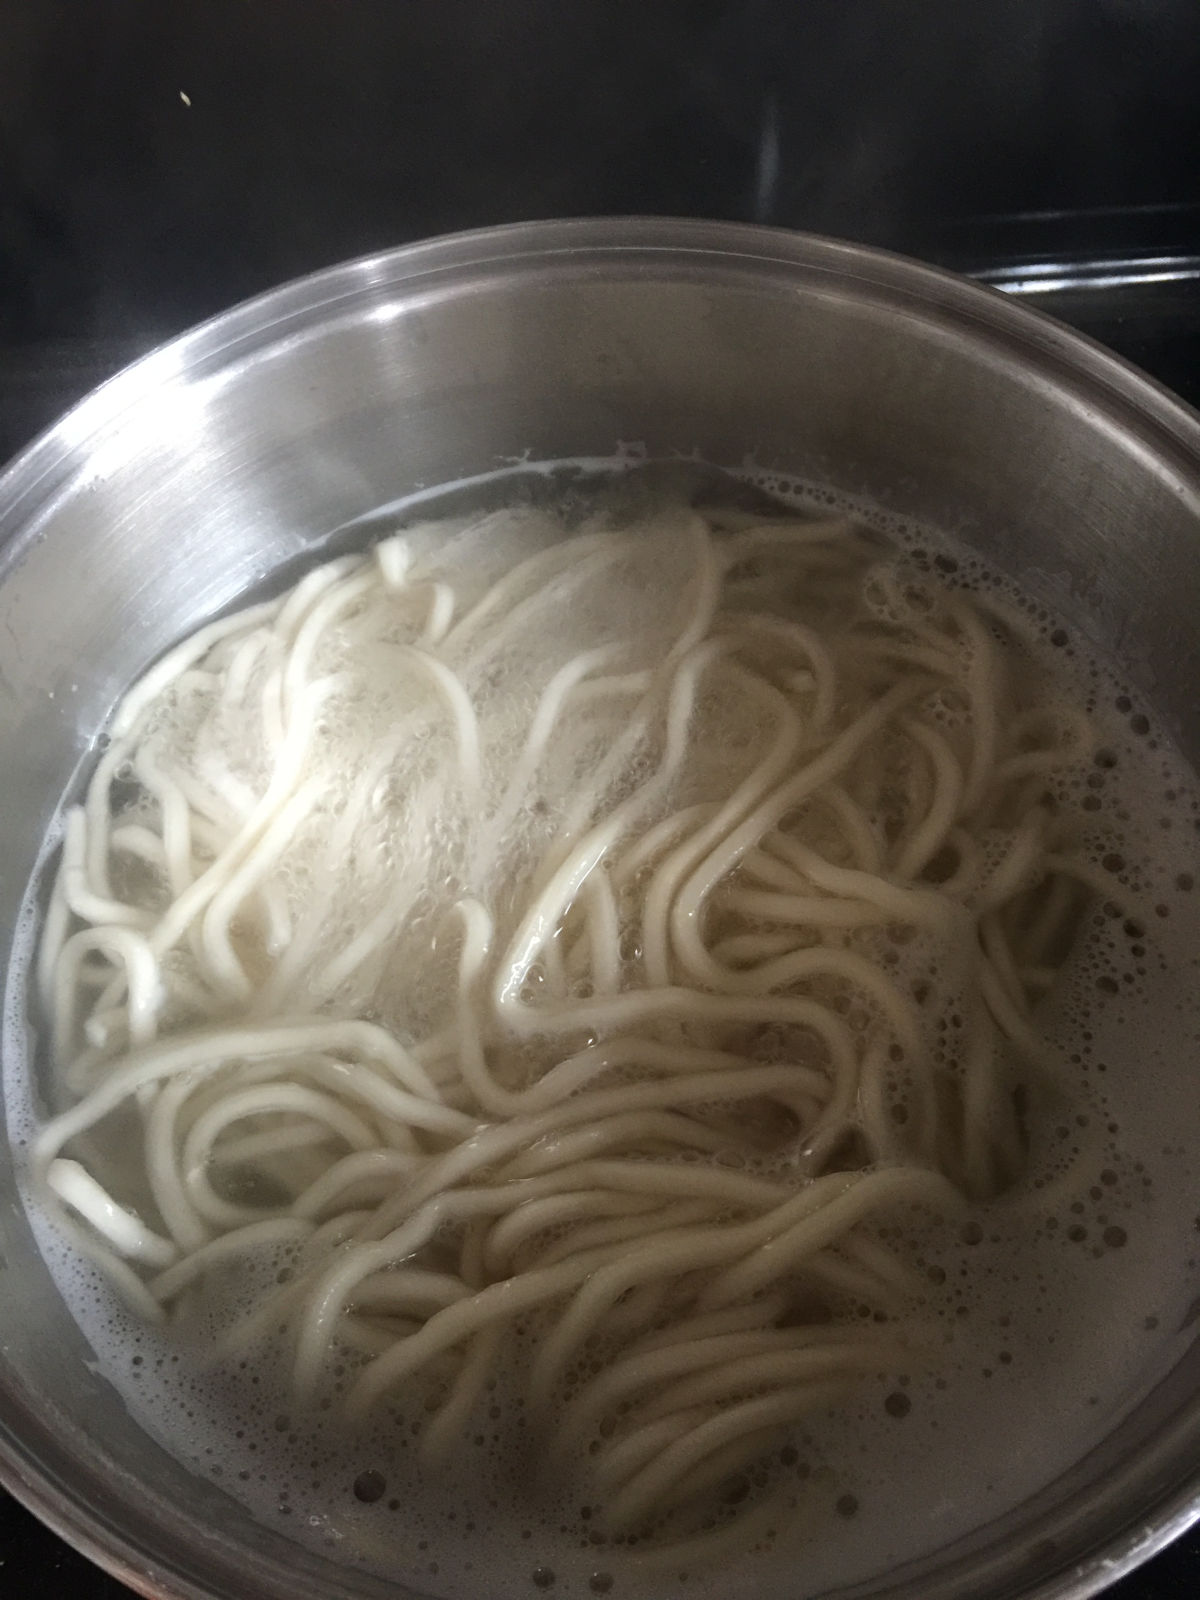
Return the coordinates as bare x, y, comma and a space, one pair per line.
1049, 146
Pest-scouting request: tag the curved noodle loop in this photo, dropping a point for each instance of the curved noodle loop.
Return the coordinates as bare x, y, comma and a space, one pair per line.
589, 935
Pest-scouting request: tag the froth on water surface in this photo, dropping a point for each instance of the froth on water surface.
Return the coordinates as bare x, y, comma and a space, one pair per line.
1046, 1310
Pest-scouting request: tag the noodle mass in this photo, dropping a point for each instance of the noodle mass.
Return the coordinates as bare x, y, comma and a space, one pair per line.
579, 939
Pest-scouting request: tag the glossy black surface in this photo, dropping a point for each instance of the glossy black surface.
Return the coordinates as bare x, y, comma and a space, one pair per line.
158, 162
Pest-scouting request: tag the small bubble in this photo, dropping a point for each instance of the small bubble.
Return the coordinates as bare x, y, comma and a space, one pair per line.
369, 1487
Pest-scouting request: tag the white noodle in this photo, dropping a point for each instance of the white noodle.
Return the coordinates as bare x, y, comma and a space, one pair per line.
512, 922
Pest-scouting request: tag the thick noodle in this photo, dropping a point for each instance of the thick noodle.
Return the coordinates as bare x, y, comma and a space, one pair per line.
591, 934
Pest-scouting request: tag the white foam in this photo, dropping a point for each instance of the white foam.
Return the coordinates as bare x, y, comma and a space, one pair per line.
1053, 1320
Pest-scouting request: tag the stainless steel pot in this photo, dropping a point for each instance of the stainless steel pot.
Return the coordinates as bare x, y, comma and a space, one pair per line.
235, 449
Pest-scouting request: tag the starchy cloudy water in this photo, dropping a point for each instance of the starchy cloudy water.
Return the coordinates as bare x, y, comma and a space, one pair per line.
1046, 1312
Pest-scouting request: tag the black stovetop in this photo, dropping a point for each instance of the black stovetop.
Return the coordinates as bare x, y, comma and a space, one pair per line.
158, 162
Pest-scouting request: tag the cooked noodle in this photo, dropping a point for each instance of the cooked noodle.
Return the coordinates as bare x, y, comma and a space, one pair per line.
592, 935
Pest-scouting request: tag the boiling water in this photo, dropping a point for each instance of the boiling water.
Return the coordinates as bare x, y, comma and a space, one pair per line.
1050, 1318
